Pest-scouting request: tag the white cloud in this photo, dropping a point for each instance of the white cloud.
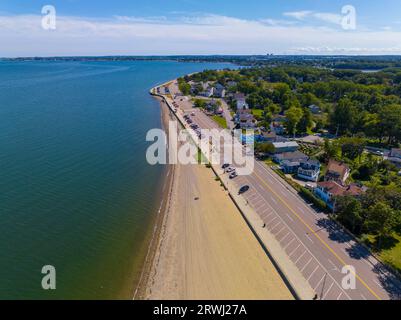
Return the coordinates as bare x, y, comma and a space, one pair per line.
311, 15
300, 15
205, 34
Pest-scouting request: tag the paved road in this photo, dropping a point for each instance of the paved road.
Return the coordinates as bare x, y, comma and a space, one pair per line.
319, 248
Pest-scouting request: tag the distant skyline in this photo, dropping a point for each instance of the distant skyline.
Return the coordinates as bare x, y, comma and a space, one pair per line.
178, 27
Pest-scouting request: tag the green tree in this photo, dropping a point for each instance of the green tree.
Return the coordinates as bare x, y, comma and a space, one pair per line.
349, 212
390, 122
381, 220
306, 121
264, 147
184, 87
199, 103
293, 115
331, 149
352, 148
343, 117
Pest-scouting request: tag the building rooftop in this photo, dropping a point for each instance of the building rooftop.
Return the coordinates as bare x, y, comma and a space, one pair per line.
337, 168
291, 156
286, 144
338, 190
395, 153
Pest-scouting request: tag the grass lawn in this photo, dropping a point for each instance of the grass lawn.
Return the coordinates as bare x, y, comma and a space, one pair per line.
257, 113
392, 254
220, 121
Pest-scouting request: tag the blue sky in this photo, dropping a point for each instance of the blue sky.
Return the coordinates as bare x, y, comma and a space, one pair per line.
89, 27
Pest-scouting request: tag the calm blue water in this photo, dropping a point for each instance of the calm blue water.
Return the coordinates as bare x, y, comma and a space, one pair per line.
75, 189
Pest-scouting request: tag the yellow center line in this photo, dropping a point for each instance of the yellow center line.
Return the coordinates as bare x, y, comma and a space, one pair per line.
317, 236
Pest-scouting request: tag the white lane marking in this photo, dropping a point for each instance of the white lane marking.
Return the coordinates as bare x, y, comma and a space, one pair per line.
378, 283
266, 209
269, 214
320, 281
367, 262
285, 194
289, 217
309, 238
325, 295
304, 267
363, 297
274, 200
338, 298
317, 267
292, 240
287, 234
278, 223
283, 228
334, 266
300, 257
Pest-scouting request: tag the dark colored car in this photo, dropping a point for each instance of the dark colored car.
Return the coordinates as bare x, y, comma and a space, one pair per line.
224, 166
243, 189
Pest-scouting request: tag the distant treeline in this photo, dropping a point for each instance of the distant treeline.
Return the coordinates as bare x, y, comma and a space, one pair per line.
333, 62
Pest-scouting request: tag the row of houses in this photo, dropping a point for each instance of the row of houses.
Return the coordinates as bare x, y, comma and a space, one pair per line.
291, 161
208, 89
334, 183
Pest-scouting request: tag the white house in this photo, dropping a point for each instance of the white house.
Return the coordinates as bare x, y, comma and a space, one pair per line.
241, 102
328, 191
309, 170
286, 146
219, 90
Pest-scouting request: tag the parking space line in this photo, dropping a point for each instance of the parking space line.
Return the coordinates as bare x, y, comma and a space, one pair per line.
294, 249
287, 234
290, 243
271, 221
275, 226
320, 281
309, 238
317, 267
328, 290
302, 270
278, 232
300, 257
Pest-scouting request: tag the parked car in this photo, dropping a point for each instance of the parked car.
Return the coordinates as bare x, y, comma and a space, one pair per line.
309, 186
230, 169
233, 175
243, 189
226, 165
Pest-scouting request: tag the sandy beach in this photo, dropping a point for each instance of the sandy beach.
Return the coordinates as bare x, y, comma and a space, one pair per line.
204, 248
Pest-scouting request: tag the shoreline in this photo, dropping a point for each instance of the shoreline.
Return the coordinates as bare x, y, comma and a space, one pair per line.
167, 181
